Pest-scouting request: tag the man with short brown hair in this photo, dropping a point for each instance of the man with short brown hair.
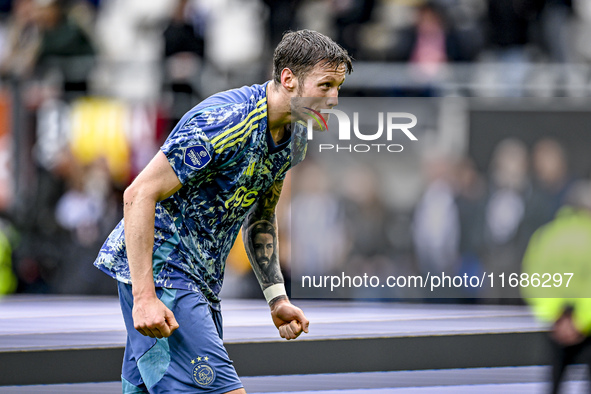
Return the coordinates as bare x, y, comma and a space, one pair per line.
222, 167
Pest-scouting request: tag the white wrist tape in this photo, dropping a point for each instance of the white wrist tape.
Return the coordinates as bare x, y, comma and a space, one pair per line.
274, 291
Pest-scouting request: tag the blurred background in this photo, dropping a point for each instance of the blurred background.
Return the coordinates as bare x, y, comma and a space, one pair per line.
91, 88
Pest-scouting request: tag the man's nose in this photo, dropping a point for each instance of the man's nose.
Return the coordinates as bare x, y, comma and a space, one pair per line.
333, 99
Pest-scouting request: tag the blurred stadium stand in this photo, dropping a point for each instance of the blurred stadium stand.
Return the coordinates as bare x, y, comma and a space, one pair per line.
78, 123
76, 129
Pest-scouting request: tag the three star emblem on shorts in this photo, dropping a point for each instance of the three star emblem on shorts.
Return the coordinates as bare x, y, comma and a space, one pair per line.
203, 373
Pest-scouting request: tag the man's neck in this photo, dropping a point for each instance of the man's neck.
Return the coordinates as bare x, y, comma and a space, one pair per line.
278, 111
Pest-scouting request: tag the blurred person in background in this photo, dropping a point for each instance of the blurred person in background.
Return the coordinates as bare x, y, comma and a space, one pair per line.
87, 211
433, 41
367, 228
317, 230
221, 168
348, 17
65, 48
282, 17
564, 246
235, 36
184, 52
557, 31
22, 41
551, 177
581, 45
436, 225
509, 23
470, 190
508, 218
429, 42
556, 23
129, 35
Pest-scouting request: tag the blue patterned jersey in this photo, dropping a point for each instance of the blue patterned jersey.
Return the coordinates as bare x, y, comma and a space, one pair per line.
223, 154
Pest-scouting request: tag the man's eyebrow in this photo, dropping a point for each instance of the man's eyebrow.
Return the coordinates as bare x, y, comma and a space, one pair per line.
329, 78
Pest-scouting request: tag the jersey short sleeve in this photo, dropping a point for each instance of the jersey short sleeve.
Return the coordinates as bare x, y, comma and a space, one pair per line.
188, 148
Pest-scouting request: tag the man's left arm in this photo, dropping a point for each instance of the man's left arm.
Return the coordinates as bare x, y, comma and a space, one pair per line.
289, 319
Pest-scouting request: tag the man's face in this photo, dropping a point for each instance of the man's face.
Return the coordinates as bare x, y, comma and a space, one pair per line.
320, 88
263, 248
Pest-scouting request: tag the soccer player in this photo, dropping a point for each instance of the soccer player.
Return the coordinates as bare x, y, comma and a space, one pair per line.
222, 167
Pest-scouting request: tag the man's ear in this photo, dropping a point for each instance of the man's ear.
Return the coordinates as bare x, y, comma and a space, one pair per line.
288, 80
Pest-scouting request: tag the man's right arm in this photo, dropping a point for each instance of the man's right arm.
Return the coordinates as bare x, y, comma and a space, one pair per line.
156, 182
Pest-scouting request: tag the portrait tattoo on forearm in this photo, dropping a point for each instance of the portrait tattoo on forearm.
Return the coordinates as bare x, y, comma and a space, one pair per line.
260, 238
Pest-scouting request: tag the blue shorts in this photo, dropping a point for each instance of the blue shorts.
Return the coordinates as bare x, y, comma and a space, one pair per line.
192, 360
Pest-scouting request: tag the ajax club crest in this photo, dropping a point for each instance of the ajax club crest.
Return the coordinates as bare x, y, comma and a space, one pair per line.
203, 373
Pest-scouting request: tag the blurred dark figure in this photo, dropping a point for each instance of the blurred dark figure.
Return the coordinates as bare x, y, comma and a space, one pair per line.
464, 24
23, 40
87, 211
181, 36
430, 41
349, 15
317, 233
561, 246
559, 27
555, 22
42, 242
470, 188
552, 179
184, 50
436, 225
6, 6
282, 16
65, 48
509, 25
430, 44
367, 221
510, 22
433, 40
508, 219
